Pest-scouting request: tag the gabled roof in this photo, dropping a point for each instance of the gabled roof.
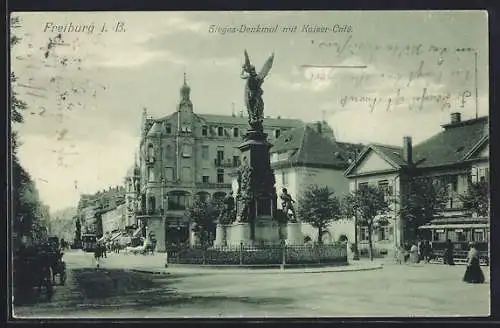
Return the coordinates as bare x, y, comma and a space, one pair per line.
453, 145
392, 154
308, 148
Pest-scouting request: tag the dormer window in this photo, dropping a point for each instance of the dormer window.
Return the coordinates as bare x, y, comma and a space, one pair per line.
204, 130
277, 133
168, 128
220, 131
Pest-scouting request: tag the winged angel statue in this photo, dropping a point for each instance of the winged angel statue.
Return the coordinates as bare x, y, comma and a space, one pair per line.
253, 90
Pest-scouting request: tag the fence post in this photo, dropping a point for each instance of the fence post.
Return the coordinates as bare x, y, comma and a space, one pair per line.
241, 253
283, 254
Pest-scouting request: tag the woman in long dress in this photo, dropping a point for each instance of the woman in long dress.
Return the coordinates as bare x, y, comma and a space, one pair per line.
473, 273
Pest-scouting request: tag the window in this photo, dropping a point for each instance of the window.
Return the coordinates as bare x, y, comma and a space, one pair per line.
168, 152
187, 150
204, 152
363, 185
151, 153
169, 174
236, 132
152, 204
479, 235
205, 179
168, 128
383, 233
284, 178
385, 187
236, 161
151, 175
439, 235
277, 133
187, 176
220, 175
204, 130
220, 156
363, 233
220, 131
178, 201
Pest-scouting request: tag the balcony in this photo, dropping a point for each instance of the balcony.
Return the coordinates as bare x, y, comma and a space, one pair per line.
224, 163
212, 185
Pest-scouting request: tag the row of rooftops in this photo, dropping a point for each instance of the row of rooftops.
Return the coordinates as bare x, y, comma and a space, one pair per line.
455, 144
306, 145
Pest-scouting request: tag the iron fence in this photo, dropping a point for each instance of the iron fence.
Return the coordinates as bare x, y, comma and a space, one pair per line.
260, 255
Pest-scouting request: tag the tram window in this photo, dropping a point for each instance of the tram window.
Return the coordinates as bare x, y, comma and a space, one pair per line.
439, 235
452, 235
479, 235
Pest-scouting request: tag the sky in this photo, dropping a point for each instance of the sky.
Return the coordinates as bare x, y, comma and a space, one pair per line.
373, 76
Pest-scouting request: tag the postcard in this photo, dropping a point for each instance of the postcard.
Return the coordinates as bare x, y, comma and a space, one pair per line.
249, 164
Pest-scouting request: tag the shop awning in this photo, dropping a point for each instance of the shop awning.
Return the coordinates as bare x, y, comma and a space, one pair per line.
137, 233
116, 235
455, 226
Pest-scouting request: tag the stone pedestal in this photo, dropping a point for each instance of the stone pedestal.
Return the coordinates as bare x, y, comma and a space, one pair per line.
238, 233
220, 236
267, 231
294, 233
156, 224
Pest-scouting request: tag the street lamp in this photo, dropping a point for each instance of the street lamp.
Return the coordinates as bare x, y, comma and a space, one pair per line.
356, 253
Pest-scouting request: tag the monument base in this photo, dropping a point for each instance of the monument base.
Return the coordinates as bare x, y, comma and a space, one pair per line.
238, 233
294, 233
267, 232
220, 235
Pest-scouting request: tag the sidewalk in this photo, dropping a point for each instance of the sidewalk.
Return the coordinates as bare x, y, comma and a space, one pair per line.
155, 264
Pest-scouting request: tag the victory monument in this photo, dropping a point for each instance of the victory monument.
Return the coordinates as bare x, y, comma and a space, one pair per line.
250, 218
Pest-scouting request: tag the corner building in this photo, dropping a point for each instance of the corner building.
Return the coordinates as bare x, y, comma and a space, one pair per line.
184, 156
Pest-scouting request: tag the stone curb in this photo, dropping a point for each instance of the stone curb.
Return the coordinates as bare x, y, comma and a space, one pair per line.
262, 271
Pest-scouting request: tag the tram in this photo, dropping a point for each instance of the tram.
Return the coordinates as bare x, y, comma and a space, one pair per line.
89, 242
460, 231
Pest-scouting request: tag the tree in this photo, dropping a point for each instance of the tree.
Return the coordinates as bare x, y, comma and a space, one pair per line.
367, 203
422, 201
476, 200
203, 215
319, 206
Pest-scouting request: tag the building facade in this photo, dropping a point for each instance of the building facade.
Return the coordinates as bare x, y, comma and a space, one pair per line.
114, 219
304, 157
184, 156
457, 157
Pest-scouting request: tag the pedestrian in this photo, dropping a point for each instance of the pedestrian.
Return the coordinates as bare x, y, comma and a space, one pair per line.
473, 273
414, 253
103, 247
421, 246
448, 253
427, 251
97, 255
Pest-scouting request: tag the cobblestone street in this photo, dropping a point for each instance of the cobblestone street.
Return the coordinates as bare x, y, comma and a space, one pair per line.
395, 290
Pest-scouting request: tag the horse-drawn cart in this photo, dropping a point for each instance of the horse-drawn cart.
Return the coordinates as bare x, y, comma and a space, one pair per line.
36, 268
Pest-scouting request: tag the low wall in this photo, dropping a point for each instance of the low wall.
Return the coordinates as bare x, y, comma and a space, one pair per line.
262, 255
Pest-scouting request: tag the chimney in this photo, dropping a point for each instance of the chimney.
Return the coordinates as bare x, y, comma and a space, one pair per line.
318, 127
407, 150
455, 118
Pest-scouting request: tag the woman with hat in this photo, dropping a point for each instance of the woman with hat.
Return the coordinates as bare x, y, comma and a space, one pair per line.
473, 273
